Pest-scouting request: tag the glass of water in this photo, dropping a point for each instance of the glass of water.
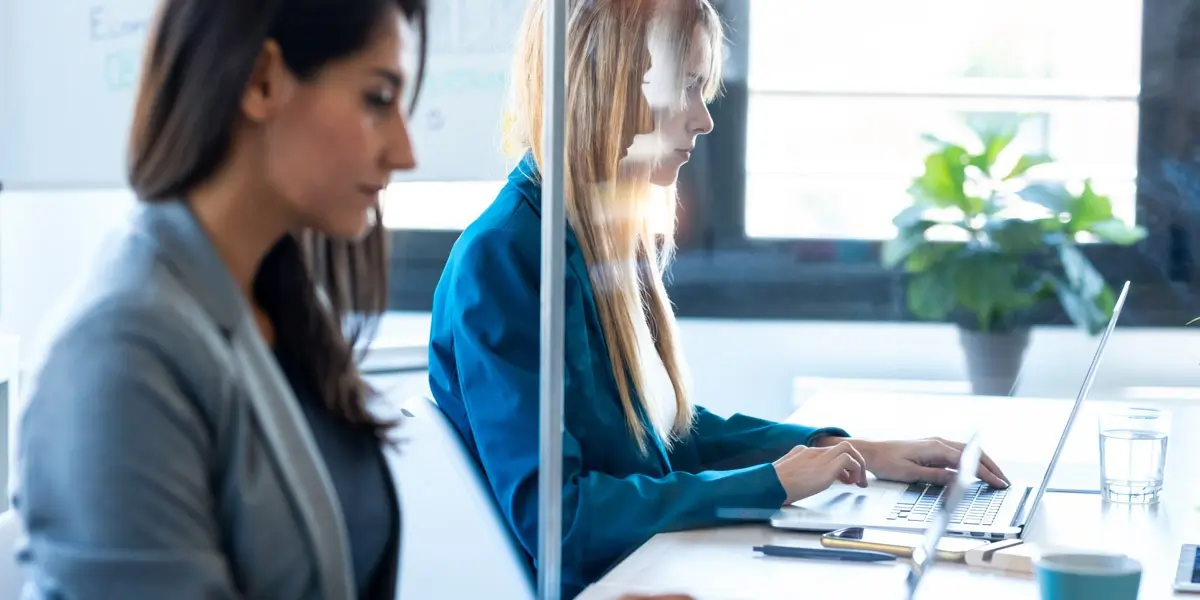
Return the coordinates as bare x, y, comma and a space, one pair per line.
1133, 452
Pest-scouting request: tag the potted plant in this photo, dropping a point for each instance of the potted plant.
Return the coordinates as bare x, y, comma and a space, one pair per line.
984, 244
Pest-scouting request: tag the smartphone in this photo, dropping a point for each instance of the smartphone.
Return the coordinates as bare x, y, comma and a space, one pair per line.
1187, 576
899, 543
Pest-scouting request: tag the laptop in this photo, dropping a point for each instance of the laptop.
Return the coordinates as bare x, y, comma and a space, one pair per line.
925, 555
985, 512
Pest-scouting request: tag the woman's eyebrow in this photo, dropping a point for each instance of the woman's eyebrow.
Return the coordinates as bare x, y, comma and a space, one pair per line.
393, 77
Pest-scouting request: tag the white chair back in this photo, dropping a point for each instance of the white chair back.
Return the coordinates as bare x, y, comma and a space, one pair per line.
12, 579
456, 544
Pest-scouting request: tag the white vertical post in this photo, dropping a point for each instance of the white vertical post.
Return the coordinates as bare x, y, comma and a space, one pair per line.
553, 250
10, 372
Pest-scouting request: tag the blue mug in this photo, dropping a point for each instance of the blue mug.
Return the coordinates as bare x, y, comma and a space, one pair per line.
1088, 576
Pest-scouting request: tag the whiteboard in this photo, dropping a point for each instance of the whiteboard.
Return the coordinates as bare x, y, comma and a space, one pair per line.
70, 69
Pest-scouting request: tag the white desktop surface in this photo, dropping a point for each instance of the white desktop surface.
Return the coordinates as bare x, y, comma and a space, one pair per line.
718, 564
396, 354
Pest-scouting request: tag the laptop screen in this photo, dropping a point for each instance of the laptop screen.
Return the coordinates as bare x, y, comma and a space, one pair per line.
1083, 392
924, 555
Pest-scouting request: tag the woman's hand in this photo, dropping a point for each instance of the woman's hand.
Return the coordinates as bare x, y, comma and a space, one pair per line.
806, 471
927, 460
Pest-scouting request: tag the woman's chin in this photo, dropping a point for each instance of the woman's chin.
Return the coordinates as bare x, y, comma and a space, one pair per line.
665, 175
350, 227
663, 170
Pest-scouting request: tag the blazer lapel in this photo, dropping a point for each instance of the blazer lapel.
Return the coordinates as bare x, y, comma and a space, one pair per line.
185, 249
295, 453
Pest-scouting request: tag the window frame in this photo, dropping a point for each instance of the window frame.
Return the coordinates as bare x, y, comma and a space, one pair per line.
720, 272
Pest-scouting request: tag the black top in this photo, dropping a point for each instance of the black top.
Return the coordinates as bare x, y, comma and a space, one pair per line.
363, 482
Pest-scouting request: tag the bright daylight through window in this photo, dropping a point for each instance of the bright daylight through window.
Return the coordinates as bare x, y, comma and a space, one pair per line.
841, 93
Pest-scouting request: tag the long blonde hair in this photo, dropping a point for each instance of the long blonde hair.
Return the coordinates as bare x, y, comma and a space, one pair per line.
611, 206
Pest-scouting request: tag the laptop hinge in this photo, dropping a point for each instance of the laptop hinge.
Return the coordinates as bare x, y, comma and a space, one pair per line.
1020, 513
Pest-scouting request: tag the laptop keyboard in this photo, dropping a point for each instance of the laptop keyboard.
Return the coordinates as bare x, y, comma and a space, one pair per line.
921, 501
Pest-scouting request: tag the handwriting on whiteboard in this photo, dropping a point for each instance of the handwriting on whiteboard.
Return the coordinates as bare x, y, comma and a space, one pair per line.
103, 27
123, 37
121, 69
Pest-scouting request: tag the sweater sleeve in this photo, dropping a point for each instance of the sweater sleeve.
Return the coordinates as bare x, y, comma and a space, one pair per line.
742, 441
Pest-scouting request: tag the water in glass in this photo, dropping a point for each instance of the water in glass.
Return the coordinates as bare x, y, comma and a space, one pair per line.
1133, 452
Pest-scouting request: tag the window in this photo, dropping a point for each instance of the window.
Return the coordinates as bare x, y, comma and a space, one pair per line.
436, 205
818, 134
834, 136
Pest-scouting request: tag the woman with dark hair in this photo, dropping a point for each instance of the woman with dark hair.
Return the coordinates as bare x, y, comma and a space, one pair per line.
199, 428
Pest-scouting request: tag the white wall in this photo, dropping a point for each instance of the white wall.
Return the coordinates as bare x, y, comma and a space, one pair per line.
748, 366
8, 52
46, 240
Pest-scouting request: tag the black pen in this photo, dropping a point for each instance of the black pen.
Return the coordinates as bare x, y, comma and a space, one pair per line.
825, 553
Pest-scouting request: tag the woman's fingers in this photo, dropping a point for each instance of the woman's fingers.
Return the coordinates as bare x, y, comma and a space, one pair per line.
951, 456
846, 468
845, 448
999, 479
934, 475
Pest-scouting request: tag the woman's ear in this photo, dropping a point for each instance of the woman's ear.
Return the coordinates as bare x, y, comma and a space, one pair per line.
270, 86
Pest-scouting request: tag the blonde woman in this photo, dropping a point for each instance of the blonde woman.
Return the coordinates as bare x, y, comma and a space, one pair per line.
639, 458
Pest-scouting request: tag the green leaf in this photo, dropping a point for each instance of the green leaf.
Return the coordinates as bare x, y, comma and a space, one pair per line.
1055, 230
1107, 302
995, 132
930, 296
1052, 195
1027, 162
974, 205
993, 145
1082, 311
1044, 286
930, 255
1019, 236
1080, 274
941, 185
896, 250
1088, 209
1089, 313
1083, 293
987, 285
910, 216
980, 161
1116, 231
910, 236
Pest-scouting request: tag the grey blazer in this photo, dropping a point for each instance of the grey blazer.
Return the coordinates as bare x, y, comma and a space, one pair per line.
161, 453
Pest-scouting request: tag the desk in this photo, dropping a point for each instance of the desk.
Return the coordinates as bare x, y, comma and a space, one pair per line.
717, 564
388, 356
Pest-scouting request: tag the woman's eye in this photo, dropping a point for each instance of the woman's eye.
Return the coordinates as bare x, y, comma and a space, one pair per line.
381, 99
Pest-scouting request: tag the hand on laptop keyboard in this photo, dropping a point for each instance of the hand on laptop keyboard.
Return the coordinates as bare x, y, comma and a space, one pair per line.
806, 471
928, 460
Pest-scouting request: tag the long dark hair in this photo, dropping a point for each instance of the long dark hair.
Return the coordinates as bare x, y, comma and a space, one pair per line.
324, 295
